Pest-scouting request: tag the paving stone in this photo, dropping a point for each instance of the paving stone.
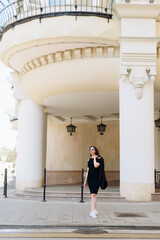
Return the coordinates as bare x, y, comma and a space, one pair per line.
29, 212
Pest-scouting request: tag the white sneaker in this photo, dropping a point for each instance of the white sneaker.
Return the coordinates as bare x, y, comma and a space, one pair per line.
92, 214
96, 212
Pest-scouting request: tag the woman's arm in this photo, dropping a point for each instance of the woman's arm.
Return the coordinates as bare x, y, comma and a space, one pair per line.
85, 181
96, 164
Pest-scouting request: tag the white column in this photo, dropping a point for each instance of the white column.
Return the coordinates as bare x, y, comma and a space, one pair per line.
136, 143
138, 71
30, 145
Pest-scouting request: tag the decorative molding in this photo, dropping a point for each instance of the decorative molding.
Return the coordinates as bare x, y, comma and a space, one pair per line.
138, 57
138, 76
139, 68
130, 38
79, 53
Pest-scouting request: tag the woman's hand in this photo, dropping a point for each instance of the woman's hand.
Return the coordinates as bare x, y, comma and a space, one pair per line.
85, 184
96, 164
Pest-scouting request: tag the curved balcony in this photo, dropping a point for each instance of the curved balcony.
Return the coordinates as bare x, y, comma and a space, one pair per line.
26, 10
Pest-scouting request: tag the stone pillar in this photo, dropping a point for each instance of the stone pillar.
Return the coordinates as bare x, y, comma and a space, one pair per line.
138, 71
30, 145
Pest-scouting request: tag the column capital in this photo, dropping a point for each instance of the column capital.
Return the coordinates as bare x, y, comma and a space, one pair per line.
138, 76
134, 9
19, 93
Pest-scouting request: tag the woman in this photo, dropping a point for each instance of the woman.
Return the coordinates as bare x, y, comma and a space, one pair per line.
92, 177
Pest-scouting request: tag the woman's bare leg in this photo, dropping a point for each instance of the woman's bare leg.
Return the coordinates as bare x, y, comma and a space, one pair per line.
96, 203
93, 202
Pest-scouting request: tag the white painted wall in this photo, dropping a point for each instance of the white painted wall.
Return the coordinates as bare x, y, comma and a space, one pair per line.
67, 153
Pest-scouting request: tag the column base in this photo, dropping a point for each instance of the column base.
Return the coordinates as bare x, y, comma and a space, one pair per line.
22, 184
137, 191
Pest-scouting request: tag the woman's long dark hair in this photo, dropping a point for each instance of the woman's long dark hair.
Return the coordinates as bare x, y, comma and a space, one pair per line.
96, 150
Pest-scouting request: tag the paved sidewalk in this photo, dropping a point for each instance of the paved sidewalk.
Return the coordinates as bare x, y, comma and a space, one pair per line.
15, 212
33, 213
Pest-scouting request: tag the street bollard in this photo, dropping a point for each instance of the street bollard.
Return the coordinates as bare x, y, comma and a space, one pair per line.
5, 184
44, 187
155, 178
81, 201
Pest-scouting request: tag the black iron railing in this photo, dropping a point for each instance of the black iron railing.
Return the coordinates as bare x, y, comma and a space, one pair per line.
157, 178
25, 10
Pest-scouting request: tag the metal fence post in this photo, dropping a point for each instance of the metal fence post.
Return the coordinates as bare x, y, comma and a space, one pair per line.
44, 187
82, 186
155, 178
5, 184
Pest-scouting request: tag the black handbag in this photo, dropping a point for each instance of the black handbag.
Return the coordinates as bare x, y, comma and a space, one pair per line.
102, 178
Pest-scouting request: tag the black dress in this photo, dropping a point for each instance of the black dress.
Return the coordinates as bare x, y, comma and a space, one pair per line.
93, 175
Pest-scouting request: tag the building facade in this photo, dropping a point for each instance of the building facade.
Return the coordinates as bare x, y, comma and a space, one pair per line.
85, 59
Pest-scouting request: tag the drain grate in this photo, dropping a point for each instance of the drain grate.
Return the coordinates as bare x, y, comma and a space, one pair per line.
133, 215
90, 231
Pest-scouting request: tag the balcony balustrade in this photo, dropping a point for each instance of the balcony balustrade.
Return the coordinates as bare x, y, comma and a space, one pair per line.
23, 11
